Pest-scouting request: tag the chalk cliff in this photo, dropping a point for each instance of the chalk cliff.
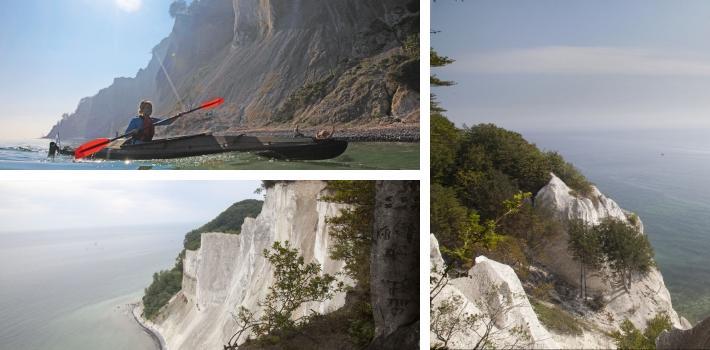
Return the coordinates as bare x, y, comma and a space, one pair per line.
229, 271
276, 62
647, 296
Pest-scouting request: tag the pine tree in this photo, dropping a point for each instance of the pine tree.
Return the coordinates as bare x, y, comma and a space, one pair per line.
627, 250
585, 245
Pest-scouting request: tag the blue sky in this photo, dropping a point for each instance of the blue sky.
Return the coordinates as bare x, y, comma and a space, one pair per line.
37, 205
568, 65
53, 53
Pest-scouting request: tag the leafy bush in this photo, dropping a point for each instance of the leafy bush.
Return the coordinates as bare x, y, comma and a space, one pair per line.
630, 337
165, 284
352, 229
295, 283
445, 138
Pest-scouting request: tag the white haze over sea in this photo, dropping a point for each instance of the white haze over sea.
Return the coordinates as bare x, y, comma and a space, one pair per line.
664, 176
70, 289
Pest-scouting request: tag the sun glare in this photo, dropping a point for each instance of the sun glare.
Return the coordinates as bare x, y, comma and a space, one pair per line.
129, 5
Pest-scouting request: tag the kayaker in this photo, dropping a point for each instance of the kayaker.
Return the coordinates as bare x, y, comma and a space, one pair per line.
142, 126
53, 149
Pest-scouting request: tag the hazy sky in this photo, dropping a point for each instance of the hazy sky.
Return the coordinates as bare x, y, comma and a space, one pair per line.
583, 64
63, 204
55, 52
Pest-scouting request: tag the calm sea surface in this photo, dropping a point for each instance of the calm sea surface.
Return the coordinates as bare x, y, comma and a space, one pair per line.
31, 154
71, 289
664, 176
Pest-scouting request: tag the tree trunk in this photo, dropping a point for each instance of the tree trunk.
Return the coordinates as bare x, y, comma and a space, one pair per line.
584, 282
394, 265
581, 279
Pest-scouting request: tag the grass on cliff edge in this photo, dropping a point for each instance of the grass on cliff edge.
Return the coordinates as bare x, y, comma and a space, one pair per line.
229, 221
556, 319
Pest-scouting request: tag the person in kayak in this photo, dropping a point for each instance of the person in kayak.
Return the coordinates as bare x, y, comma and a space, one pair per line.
142, 126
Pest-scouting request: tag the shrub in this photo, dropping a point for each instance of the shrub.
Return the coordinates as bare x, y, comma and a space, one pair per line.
556, 319
165, 284
295, 283
352, 229
630, 337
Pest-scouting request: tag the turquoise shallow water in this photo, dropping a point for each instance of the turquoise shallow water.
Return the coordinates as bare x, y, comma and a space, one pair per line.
70, 289
664, 176
32, 155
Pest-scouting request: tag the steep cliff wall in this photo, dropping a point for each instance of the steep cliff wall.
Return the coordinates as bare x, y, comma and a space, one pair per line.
646, 297
277, 63
229, 271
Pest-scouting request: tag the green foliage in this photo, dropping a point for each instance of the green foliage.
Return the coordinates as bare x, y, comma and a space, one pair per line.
449, 218
165, 284
361, 324
476, 170
459, 246
626, 250
532, 225
569, 174
295, 283
229, 221
487, 147
352, 229
445, 138
411, 45
406, 72
557, 319
630, 337
586, 247
439, 61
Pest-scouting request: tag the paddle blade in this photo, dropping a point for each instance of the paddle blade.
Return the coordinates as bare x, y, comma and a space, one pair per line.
212, 104
90, 148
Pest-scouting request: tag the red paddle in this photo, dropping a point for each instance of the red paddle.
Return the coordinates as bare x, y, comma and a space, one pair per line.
97, 145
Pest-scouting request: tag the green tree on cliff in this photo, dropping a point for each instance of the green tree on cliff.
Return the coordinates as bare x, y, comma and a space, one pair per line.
585, 246
295, 283
628, 252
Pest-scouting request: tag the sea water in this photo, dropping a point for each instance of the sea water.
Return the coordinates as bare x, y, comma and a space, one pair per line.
663, 176
31, 154
72, 289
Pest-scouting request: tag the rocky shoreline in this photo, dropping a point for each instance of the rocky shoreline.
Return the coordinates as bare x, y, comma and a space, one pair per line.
409, 133
157, 338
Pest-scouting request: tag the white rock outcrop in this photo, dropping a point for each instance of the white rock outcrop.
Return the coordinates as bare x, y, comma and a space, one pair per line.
647, 296
229, 271
493, 290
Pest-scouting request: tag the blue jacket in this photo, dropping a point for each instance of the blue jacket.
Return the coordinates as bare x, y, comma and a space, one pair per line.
137, 123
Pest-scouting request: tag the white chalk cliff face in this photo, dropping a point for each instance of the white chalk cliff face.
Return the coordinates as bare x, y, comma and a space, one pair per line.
229, 271
647, 297
492, 288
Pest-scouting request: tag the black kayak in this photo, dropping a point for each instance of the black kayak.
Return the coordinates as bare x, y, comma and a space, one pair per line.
294, 148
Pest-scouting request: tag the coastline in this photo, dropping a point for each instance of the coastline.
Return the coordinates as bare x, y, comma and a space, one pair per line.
387, 133
154, 334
